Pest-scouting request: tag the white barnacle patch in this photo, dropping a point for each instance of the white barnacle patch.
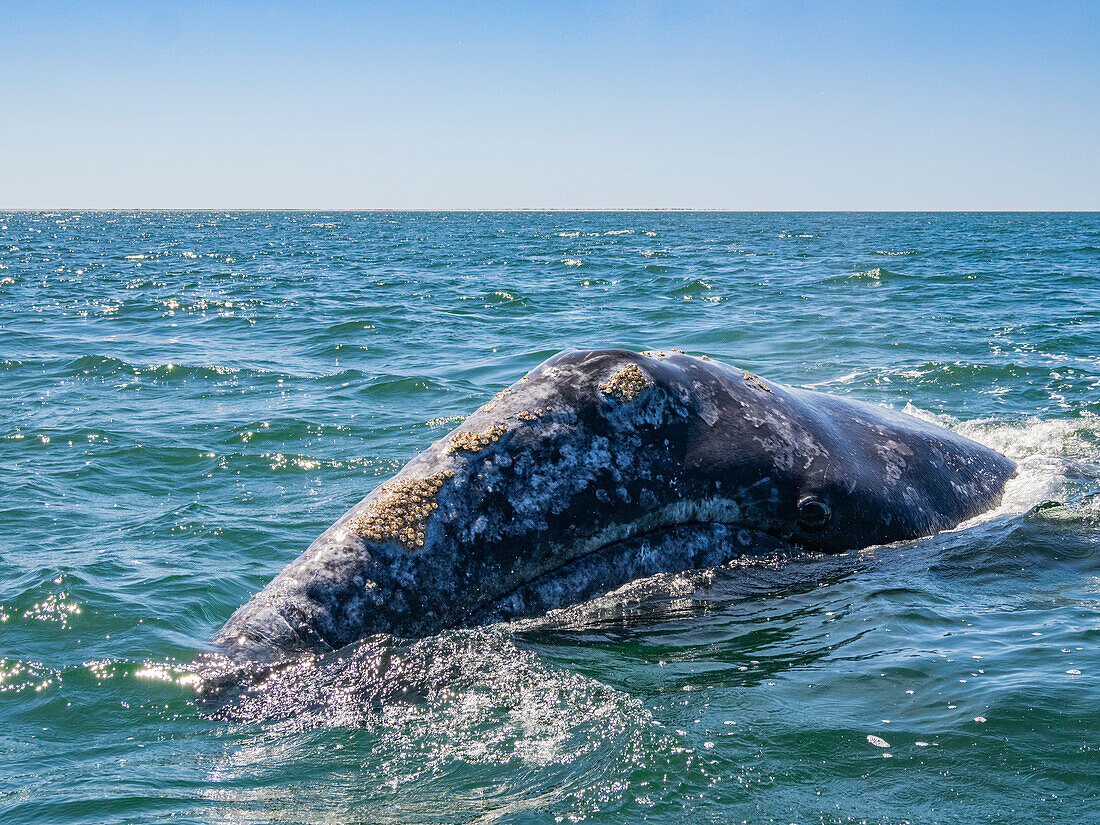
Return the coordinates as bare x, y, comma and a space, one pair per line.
893, 453
755, 379
500, 396
780, 450
478, 526
475, 442
705, 406
625, 385
401, 511
540, 486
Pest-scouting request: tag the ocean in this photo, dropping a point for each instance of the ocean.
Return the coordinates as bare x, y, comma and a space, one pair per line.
189, 398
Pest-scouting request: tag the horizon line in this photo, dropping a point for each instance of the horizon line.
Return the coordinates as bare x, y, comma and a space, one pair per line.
552, 209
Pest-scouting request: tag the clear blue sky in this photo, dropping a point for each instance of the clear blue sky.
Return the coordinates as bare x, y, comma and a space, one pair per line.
730, 105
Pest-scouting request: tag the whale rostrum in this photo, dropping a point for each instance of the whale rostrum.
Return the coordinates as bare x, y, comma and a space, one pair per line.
599, 467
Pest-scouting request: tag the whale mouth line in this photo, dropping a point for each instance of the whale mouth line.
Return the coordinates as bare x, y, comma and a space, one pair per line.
687, 545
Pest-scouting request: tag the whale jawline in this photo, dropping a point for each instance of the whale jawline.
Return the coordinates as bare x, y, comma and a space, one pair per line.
695, 545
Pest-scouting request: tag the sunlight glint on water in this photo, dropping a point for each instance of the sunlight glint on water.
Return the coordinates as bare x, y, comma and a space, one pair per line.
191, 398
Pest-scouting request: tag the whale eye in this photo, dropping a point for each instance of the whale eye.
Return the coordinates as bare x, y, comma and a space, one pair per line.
813, 514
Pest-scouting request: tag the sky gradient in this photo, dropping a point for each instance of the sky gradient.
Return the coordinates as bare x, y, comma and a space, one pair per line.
725, 105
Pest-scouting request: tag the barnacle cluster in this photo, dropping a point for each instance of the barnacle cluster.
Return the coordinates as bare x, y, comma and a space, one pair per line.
532, 415
401, 512
475, 442
754, 378
496, 398
704, 357
625, 385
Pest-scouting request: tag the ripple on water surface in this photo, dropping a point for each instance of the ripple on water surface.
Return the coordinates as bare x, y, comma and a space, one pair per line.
192, 397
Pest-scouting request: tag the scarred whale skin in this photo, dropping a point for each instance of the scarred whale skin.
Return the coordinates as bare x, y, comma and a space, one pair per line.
602, 466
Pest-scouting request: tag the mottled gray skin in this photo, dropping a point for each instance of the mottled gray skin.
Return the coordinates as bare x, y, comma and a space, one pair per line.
707, 463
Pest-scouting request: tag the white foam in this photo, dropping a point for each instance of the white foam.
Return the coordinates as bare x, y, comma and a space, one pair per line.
867, 275
1051, 455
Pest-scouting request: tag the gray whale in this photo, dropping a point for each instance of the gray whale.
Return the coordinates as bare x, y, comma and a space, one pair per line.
597, 468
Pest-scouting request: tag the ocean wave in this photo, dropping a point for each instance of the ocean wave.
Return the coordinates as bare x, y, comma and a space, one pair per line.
224, 409
876, 274
697, 288
104, 366
977, 376
498, 296
107, 366
1058, 460
388, 385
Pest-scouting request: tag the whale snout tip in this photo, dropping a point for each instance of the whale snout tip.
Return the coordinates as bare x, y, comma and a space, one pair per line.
260, 632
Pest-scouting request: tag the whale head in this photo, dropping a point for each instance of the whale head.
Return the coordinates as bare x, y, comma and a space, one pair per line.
602, 466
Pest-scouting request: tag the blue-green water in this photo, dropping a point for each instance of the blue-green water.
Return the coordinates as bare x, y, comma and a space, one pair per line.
190, 398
